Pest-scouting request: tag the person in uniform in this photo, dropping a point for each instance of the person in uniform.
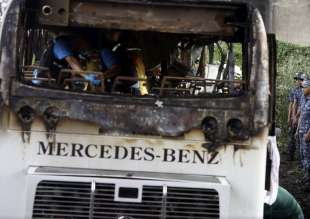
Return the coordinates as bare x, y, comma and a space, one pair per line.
298, 136
294, 103
304, 130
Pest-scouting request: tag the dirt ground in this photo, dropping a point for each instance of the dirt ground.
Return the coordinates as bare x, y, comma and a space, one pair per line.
290, 179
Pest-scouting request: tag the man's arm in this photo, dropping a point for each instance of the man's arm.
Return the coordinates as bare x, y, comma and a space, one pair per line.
74, 63
289, 117
294, 108
290, 108
63, 51
298, 117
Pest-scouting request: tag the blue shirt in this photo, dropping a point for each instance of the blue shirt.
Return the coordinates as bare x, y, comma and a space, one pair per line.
298, 93
108, 58
291, 96
305, 116
62, 48
302, 101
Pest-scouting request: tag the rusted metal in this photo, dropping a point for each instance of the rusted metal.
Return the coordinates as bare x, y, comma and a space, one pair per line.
102, 76
118, 80
51, 118
260, 73
75, 72
28, 76
178, 91
53, 12
26, 115
129, 115
272, 44
138, 17
203, 82
9, 49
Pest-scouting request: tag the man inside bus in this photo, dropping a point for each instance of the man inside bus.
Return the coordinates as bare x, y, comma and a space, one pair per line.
67, 50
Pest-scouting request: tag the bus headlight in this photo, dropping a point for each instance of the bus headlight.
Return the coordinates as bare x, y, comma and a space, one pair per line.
26, 114
236, 130
47, 10
209, 128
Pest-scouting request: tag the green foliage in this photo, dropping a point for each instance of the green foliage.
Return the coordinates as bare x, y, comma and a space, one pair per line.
291, 59
237, 51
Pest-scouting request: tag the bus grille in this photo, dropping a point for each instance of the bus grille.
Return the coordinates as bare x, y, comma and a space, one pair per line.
69, 200
55, 199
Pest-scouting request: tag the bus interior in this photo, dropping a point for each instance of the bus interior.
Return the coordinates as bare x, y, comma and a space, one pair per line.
189, 59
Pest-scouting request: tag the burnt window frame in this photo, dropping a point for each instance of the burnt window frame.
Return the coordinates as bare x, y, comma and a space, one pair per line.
30, 21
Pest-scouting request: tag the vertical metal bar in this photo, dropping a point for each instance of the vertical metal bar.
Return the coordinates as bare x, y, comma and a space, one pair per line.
164, 204
92, 199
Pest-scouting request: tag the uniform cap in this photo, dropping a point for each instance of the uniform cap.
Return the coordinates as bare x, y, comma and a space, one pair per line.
300, 75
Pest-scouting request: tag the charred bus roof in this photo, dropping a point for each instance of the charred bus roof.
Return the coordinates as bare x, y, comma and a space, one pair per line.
217, 19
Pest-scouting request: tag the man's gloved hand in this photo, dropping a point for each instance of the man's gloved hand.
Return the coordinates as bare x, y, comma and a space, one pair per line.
93, 79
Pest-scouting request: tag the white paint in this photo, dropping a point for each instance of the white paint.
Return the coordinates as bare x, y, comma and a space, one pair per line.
244, 170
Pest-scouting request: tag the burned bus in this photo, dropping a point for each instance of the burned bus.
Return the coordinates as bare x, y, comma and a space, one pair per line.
173, 123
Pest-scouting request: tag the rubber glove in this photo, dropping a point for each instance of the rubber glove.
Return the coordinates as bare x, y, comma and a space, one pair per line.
93, 79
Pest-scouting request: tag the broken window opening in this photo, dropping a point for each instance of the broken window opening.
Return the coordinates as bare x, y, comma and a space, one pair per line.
138, 63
